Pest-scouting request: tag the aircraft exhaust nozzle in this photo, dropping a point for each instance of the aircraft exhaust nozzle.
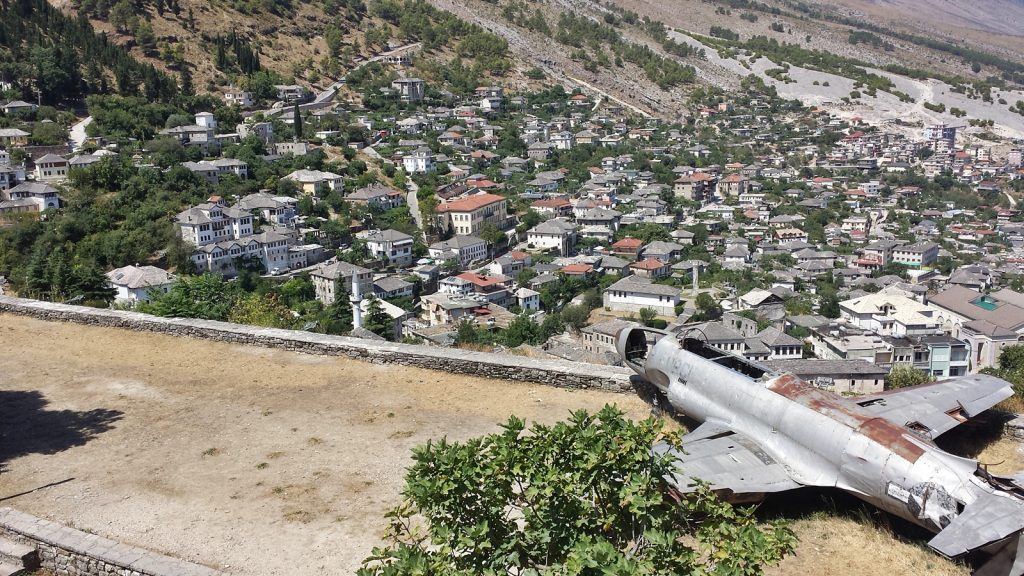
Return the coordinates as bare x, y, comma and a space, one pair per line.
634, 343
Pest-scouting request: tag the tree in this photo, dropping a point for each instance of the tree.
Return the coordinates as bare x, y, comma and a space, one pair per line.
120, 15
524, 276
298, 120
206, 296
829, 307
521, 330
377, 320
903, 375
262, 310
583, 496
647, 315
1011, 358
530, 219
491, 234
575, 317
144, 35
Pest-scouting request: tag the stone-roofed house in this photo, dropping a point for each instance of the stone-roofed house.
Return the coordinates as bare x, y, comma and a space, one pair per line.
276, 210
601, 337
29, 197
391, 246
377, 196
391, 287
664, 251
632, 293
51, 168
839, 376
765, 303
329, 277
136, 284
557, 234
464, 250
315, 182
213, 222
13, 137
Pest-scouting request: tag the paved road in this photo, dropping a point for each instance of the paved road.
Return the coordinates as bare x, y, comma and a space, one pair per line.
326, 96
600, 92
414, 204
77, 134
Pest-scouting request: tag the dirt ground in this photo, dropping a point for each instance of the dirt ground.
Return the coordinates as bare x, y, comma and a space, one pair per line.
265, 462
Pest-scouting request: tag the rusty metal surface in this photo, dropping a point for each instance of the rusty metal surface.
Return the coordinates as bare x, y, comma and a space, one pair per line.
764, 432
849, 413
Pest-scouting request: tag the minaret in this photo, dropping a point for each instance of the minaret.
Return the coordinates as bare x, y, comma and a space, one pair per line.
356, 299
696, 270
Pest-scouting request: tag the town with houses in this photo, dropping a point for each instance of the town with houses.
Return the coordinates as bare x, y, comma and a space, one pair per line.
809, 242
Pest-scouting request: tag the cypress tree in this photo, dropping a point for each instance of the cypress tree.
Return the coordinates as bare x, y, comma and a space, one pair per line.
298, 121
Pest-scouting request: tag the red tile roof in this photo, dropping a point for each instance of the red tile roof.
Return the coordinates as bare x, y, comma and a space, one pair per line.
648, 264
577, 269
469, 203
479, 279
628, 243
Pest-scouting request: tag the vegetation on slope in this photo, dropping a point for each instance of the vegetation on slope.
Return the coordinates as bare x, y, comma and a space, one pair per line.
54, 58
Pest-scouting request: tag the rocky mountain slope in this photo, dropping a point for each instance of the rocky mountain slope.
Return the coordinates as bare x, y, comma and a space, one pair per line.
923, 60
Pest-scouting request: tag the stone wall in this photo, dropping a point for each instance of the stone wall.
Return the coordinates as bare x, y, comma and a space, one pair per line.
562, 374
69, 552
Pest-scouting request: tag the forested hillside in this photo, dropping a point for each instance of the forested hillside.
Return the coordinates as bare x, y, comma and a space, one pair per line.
53, 58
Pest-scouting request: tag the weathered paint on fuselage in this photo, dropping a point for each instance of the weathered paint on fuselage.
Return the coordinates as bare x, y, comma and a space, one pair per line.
820, 438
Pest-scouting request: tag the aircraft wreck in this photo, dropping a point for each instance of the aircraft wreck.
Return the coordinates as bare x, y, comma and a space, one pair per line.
762, 432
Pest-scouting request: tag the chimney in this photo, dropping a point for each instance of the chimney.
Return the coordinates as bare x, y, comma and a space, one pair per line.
356, 299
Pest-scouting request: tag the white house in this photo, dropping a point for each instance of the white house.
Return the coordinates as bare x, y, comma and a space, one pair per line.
313, 182
213, 222
51, 168
390, 245
528, 299
269, 248
136, 284
891, 315
463, 249
633, 293
420, 160
42, 195
240, 98
556, 233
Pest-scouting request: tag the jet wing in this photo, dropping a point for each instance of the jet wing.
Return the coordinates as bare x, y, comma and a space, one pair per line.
728, 461
937, 407
991, 518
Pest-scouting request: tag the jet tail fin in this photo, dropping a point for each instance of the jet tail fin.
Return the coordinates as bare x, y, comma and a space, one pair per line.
993, 524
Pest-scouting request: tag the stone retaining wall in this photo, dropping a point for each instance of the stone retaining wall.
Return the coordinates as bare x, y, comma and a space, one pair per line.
69, 552
563, 374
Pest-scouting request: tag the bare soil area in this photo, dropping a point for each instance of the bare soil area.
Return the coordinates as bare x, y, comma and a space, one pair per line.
265, 462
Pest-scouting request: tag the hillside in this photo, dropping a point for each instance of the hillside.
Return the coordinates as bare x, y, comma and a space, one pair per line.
996, 24
858, 58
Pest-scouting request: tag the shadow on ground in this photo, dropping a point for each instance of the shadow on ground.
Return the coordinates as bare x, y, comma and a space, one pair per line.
27, 427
